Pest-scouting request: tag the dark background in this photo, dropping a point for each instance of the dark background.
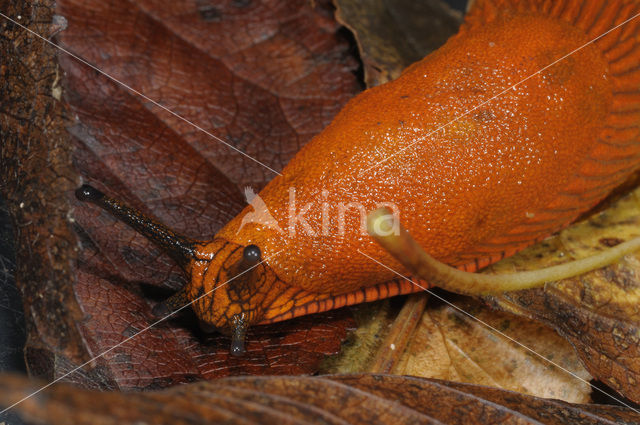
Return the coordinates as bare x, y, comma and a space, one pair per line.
12, 329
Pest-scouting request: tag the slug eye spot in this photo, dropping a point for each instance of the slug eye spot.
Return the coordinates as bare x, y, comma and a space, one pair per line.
251, 255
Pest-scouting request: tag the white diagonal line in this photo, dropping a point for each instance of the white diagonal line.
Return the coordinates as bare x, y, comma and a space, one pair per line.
396, 153
531, 350
133, 336
142, 95
420, 139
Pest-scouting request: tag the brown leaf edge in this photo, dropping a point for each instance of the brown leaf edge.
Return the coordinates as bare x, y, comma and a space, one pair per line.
333, 399
34, 158
391, 34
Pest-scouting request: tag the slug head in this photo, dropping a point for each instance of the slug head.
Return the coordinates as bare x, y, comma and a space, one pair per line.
231, 287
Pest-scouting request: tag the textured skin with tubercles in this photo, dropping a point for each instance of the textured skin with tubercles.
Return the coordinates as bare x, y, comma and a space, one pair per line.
473, 191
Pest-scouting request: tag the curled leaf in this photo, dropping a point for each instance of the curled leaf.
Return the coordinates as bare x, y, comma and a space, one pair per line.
597, 312
391, 34
337, 399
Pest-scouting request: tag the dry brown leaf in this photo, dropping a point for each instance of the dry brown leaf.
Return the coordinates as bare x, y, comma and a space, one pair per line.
265, 76
391, 33
337, 399
599, 312
450, 345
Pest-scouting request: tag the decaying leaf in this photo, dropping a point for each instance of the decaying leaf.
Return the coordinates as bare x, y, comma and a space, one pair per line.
391, 34
264, 76
448, 344
372, 321
337, 399
599, 312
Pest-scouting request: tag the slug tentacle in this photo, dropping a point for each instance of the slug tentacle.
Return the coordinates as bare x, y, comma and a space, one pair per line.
180, 248
227, 285
239, 333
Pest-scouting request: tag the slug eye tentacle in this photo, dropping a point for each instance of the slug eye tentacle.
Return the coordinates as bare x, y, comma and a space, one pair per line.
180, 248
245, 269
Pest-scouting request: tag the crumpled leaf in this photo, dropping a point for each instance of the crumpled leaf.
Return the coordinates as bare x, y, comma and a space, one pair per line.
599, 312
254, 73
448, 344
337, 399
391, 34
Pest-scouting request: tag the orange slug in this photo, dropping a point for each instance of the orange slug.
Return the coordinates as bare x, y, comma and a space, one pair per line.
474, 177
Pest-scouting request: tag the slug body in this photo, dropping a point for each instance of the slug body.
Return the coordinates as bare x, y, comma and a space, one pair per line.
511, 170
472, 191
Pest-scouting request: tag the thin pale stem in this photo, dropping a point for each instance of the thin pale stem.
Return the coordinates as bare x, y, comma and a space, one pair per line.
407, 251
